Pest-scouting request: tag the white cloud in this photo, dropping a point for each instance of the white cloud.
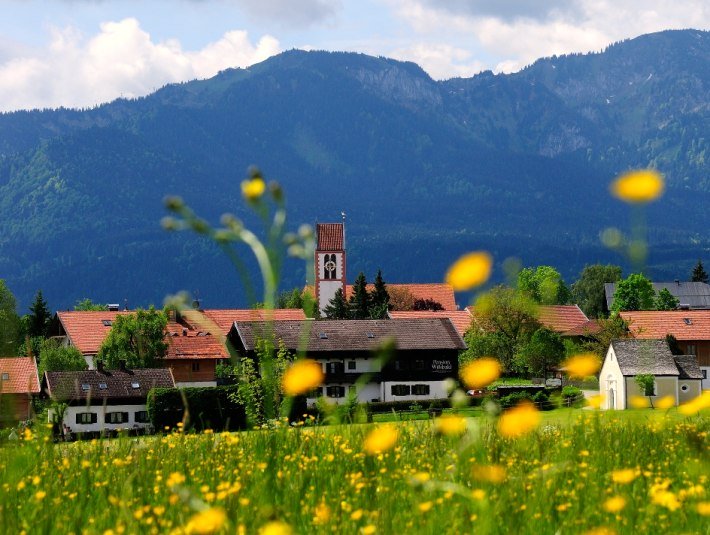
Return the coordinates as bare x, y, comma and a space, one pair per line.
440, 60
121, 60
516, 37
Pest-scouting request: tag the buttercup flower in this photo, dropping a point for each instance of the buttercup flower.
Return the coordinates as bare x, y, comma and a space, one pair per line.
480, 373
469, 271
381, 439
450, 425
614, 504
207, 521
489, 473
666, 402
253, 188
581, 366
640, 186
302, 376
276, 527
623, 476
519, 421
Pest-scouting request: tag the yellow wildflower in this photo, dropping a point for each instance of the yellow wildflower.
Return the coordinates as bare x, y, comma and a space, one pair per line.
581, 366
614, 504
469, 271
694, 406
207, 521
638, 402
596, 401
480, 373
381, 439
519, 421
322, 513
478, 494
276, 527
425, 506
39, 495
356, 515
253, 189
704, 508
176, 478
626, 475
368, 530
666, 402
450, 425
490, 473
600, 531
665, 498
302, 376
640, 186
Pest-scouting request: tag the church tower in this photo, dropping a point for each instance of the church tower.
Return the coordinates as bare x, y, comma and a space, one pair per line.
329, 262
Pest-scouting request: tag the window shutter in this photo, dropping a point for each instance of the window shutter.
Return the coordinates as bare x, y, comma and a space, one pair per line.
94, 417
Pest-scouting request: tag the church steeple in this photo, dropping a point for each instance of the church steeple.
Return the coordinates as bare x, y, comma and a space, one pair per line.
329, 261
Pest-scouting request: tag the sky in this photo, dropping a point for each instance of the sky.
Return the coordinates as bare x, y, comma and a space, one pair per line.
79, 53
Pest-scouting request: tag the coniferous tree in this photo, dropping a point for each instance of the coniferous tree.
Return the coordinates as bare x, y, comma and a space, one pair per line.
359, 303
699, 273
379, 298
39, 317
337, 308
9, 322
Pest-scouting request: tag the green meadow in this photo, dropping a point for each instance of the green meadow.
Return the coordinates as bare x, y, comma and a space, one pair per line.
579, 471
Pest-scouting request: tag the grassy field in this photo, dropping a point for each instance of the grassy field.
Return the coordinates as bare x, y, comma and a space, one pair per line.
559, 478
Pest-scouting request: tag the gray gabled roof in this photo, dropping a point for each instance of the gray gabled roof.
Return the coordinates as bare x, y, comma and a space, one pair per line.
100, 385
694, 295
644, 356
688, 367
354, 335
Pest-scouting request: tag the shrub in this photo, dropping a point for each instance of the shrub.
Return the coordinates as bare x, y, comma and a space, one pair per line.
213, 408
572, 396
513, 399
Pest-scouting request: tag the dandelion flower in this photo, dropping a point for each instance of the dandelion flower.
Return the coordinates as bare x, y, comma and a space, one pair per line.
519, 421
275, 527
640, 186
703, 508
664, 498
425, 506
600, 531
450, 425
207, 521
480, 373
638, 402
666, 402
489, 473
623, 476
322, 513
368, 530
302, 376
253, 188
381, 439
469, 271
581, 366
39, 495
478, 494
596, 401
614, 504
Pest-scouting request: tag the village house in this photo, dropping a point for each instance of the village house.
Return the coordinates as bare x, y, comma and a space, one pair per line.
675, 376
690, 295
425, 356
691, 328
18, 383
99, 400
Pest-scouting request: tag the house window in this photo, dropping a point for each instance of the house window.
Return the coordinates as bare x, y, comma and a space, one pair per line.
690, 349
684, 388
400, 390
352, 365
195, 366
705, 373
335, 367
335, 391
86, 387
5, 376
86, 418
329, 267
315, 393
116, 417
103, 386
135, 385
141, 417
420, 390
650, 389
107, 323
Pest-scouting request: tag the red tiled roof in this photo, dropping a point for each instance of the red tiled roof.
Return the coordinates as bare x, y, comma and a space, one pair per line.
224, 319
683, 324
440, 292
330, 236
86, 329
204, 346
584, 329
558, 318
460, 318
21, 375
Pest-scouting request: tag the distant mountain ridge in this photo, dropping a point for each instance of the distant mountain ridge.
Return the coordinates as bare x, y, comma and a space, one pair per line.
518, 164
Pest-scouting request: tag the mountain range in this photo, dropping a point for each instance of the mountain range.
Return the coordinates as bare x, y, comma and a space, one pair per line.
518, 164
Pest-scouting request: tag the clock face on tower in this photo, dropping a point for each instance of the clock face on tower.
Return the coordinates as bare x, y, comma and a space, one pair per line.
330, 268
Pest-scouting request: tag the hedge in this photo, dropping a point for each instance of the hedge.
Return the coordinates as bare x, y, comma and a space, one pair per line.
208, 408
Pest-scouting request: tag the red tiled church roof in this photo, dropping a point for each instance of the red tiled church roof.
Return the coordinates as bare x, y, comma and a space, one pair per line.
21, 375
558, 318
440, 292
461, 319
330, 236
225, 318
683, 324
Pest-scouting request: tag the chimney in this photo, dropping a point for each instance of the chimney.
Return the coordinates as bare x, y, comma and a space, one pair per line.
172, 315
184, 331
677, 281
122, 365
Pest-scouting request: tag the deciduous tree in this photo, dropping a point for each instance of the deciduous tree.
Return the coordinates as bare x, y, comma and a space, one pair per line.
137, 338
588, 291
54, 357
88, 305
9, 322
544, 285
635, 292
666, 301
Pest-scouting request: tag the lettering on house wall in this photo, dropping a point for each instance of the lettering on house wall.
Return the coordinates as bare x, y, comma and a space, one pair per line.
441, 366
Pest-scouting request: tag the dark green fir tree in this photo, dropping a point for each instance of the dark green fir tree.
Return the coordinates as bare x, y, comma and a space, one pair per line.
337, 308
379, 299
39, 317
699, 273
359, 303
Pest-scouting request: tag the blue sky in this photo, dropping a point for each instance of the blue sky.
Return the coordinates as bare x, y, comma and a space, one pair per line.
78, 53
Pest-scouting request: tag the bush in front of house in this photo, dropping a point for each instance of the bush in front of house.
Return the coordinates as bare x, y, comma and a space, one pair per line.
572, 396
213, 408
